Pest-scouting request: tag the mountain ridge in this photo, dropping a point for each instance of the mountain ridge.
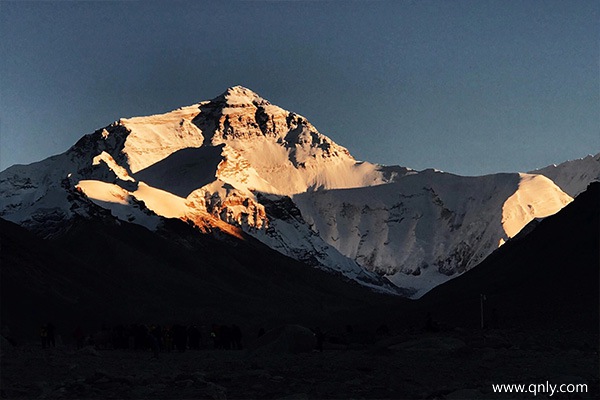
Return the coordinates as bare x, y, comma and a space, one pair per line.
237, 163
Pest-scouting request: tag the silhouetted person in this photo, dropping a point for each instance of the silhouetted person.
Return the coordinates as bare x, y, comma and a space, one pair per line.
215, 333
153, 339
168, 338
119, 337
180, 337
430, 324
261, 332
79, 337
225, 339
44, 336
320, 336
383, 330
194, 337
140, 334
494, 318
158, 334
236, 337
50, 329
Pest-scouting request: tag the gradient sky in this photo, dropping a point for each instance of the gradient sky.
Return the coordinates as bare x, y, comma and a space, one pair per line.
470, 87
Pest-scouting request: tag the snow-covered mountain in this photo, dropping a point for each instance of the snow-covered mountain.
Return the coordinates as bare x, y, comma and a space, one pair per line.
573, 176
428, 227
240, 165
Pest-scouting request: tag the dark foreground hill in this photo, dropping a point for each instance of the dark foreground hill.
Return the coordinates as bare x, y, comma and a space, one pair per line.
546, 279
101, 272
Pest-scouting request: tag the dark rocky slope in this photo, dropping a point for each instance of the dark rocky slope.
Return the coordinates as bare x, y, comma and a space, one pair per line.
546, 279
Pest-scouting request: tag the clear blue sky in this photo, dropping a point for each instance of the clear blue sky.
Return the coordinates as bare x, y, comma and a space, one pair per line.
469, 87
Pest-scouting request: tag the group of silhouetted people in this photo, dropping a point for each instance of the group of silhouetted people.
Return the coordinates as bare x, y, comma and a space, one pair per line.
47, 335
169, 338
176, 337
226, 337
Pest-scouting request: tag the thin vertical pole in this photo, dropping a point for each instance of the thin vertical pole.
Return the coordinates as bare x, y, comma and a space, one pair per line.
481, 298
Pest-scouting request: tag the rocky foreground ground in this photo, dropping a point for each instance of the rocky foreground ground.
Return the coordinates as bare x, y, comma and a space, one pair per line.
449, 365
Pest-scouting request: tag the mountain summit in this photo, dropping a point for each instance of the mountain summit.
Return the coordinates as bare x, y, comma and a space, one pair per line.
239, 95
239, 165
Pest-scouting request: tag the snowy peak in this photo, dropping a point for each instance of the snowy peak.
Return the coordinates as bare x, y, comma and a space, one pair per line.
239, 96
260, 145
284, 149
239, 113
